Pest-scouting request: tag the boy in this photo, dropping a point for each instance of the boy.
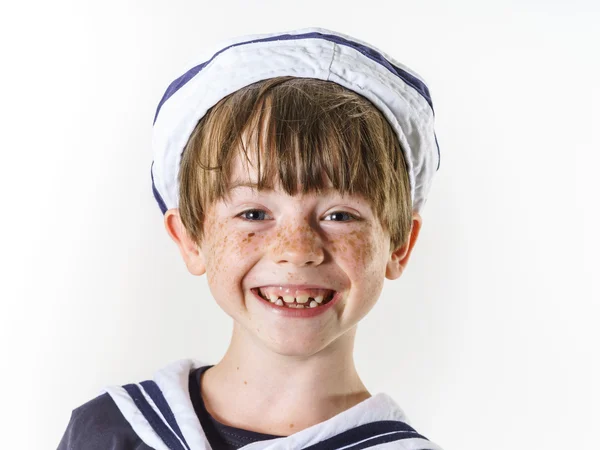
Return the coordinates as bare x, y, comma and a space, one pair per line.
290, 169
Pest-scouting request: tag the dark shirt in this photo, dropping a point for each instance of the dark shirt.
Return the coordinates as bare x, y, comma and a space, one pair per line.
100, 425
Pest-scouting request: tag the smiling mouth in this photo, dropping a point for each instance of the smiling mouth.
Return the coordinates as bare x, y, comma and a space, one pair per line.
302, 301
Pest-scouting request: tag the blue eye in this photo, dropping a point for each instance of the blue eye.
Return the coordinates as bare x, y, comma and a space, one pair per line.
255, 213
340, 213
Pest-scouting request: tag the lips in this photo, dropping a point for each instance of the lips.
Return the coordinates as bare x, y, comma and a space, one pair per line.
296, 296
297, 311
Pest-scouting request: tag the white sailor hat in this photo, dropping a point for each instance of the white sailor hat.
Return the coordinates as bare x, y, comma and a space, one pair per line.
396, 90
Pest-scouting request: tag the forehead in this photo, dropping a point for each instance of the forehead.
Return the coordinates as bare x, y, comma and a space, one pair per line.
244, 176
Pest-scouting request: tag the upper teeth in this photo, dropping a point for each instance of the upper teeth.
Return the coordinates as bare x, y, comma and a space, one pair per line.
301, 299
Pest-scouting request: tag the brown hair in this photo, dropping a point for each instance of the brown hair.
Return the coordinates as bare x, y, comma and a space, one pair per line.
313, 127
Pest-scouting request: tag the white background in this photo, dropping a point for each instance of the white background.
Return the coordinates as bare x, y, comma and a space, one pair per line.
490, 338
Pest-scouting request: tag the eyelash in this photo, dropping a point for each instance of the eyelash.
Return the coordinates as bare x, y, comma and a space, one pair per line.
260, 210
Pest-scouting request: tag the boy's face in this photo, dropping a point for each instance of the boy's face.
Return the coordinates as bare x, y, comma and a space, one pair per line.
292, 240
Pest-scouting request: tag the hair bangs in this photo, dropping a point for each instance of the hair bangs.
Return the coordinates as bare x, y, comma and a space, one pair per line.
301, 147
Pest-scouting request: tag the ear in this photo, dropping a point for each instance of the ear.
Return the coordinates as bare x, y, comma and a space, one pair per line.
191, 253
399, 257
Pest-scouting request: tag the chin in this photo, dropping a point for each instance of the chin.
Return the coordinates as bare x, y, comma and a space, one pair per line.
287, 344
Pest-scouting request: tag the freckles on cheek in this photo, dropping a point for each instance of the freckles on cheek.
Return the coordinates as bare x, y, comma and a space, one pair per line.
242, 245
357, 248
362, 252
229, 248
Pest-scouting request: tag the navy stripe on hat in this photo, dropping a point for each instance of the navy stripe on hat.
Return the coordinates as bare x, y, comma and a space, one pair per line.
370, 53
159, 199
368, 435
153, 418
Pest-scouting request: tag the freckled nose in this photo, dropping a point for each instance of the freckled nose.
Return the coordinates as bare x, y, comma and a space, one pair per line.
301, 246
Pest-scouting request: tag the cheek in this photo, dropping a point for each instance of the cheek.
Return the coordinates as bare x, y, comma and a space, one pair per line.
359, 249
227, 252
361, 253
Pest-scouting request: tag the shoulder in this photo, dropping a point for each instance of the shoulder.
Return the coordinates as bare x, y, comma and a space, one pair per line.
99, 424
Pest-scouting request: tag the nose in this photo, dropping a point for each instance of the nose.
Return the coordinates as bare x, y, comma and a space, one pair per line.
298, 245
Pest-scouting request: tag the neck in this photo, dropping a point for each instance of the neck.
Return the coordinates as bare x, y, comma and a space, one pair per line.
256, 389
